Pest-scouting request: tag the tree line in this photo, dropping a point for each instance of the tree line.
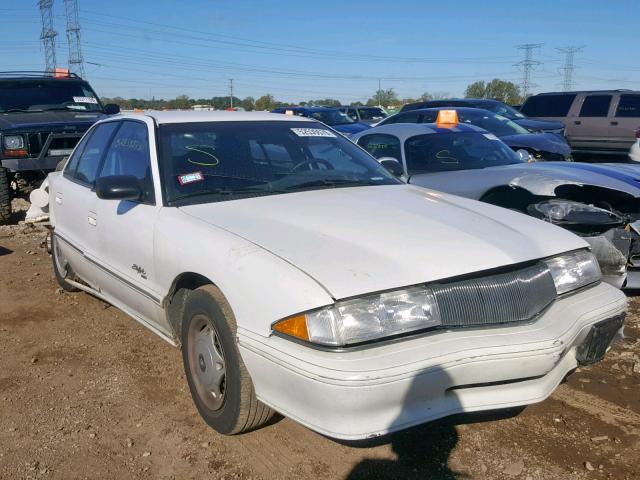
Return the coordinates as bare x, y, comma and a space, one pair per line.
502, 90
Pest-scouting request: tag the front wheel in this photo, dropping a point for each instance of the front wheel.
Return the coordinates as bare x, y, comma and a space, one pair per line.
218, 379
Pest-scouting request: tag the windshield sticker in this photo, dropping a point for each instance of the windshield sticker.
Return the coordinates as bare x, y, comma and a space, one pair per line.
210, 159
187, 178
85, 100
490, 136
312, 132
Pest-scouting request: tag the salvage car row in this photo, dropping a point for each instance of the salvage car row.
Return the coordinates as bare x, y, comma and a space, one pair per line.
342, 275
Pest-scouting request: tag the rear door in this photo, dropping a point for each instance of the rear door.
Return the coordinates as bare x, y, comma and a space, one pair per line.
590, 122
625, 119
75, 202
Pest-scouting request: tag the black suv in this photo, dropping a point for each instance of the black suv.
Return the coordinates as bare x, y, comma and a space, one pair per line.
42, 117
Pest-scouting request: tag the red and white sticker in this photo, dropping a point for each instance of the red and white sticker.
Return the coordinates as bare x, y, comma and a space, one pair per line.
187, 178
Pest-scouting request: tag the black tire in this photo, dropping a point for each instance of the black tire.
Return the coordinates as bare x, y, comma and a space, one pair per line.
61, 268
5, 197
236, 409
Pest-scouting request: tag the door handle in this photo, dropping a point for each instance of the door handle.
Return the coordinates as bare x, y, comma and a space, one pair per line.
93, 221
58, 199
577, 122
614, 123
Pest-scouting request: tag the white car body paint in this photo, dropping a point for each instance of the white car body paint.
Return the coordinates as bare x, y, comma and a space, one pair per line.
277, 256
634, 152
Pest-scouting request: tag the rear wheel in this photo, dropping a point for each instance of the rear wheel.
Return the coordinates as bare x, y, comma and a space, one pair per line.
61, 267
218, 379
5, 196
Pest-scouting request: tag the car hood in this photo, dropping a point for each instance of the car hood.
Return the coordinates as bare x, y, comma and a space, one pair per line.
542, 125
359, 240
351, 128
36, 120
543, 142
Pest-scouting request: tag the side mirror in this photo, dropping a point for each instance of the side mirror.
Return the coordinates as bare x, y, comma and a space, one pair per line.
118, 187
524, 155
111, 108
392, 165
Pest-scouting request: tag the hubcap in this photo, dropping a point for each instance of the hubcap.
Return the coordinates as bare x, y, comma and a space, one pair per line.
207, 362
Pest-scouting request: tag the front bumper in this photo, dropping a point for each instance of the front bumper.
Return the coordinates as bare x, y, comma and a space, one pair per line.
381, 389
47, 159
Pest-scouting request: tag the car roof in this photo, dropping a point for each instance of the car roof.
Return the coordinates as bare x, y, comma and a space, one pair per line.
406, 130
186, 116
460, 109
620, 90
309, 109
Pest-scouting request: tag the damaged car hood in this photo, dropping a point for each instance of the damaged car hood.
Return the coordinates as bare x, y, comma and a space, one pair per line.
543, 142
360, 240
538, 178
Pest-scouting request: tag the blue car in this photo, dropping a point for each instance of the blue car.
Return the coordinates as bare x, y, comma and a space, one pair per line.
531, 124
541, 146
329, 116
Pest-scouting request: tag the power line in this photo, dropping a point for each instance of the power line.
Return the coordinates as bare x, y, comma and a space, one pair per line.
76, 62
527, 64
48, 35
569, 66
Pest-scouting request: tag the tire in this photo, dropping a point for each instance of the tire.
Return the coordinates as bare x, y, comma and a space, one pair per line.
219, 382
61, 268
5, 197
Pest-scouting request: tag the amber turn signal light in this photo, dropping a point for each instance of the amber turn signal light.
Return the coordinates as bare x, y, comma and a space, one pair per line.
294, 326
15, 153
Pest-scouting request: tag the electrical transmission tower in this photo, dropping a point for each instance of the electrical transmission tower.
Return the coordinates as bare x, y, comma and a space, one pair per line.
48, 35
76, 62
527, 65
569, 66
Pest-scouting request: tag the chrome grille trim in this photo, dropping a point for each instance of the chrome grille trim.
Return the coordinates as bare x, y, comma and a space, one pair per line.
509, 297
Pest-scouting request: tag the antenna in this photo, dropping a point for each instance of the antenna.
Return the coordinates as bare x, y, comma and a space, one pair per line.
48, 35
569, 66
76, 62
527, 64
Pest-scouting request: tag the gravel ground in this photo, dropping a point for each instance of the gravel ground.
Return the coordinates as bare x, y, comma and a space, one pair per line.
88, 393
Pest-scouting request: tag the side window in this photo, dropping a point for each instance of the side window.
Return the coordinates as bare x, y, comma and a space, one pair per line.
353, 114
72, 163
409, 117
321, 149
93, 152
381, 145
595, 106
629, 106
128, 154
556, 105
270, 154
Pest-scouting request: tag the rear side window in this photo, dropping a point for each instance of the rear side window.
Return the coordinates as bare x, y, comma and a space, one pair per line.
72, 164
89, 161
595, 106
409, 117
548, 105
629, 106
381, 145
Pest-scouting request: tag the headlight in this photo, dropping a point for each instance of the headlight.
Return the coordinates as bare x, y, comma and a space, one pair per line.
13, 142
569, 212
367, 318
574, 270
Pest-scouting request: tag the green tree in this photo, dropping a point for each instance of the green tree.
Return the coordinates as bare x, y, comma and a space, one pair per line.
248, 103
384, 97
502, 90
266, 102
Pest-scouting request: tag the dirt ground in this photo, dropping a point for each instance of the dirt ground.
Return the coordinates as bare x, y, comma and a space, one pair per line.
85, 392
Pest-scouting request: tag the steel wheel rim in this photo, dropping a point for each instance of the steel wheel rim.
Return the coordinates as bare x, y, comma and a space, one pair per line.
207, 362
59, 259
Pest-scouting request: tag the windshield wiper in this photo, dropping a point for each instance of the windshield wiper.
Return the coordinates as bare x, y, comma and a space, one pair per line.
225, 191
20, 110
338, 182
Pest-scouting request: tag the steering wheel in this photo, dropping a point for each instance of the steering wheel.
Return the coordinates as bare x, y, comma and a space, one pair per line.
313, 165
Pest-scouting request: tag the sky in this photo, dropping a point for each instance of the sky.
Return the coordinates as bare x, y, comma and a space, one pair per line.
301, 50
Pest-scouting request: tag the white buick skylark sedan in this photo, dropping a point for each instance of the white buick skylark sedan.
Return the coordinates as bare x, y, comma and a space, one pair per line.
299, 276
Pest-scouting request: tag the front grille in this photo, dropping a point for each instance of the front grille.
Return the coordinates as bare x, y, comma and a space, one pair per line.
509, 297
37, 140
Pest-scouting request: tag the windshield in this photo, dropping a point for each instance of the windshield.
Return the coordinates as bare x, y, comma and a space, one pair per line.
372, 113
33, 96
447, 152
218, 161
502, 109
331, 117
